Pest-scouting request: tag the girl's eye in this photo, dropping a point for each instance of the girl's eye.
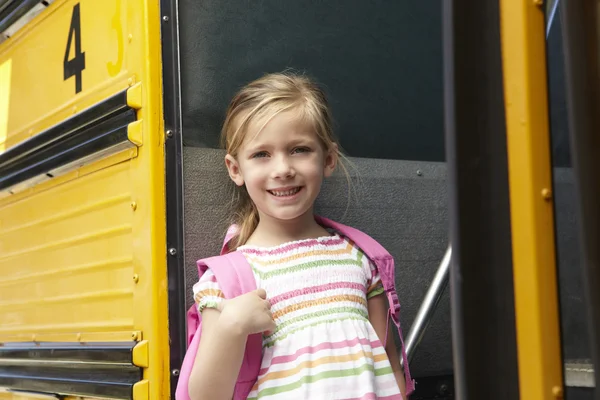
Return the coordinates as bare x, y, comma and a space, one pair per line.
260, 154
300, 150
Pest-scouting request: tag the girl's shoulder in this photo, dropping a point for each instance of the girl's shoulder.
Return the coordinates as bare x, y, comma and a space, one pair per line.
361, 239
207, 292
207, 281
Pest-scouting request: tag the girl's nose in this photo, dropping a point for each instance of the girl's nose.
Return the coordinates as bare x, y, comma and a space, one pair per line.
283, 168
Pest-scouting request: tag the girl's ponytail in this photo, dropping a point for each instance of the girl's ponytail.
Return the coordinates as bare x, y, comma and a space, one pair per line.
245, 217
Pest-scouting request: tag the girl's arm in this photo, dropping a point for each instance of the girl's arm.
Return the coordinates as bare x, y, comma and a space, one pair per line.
221, 340
378, 309
219, 358
221, 349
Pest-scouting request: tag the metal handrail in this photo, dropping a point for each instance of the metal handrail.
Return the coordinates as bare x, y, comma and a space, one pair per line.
428, 306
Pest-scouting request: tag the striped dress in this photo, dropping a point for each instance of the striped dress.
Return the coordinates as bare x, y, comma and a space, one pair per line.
324, 346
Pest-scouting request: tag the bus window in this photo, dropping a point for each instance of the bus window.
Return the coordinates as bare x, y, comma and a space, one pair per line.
380, 63
14, 15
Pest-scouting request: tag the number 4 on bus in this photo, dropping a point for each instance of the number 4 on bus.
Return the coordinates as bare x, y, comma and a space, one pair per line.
76, 65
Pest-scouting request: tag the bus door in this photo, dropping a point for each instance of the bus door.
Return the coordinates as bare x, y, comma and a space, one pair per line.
83, 297
381, 66
521, 127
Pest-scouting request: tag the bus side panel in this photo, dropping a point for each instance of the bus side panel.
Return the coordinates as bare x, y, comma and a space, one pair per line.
83, 253
66, 260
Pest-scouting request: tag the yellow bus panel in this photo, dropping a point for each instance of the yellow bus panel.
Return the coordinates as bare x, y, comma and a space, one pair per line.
66, 258
71, 56
531, 203
83, 254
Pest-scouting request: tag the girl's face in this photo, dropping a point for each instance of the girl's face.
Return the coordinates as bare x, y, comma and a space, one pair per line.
282, 167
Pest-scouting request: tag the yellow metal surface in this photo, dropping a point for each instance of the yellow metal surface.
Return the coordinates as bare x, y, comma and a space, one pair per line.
134, 96
35, 94
141, 391
78, 261
84, 337
149, 248
5, 395
27, 396
140, 354
530, 179
135, 132
66, 259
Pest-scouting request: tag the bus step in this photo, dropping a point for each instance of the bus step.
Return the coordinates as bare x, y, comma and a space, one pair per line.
579, 373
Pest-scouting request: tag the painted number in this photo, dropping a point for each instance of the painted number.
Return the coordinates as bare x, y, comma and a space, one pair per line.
76, 65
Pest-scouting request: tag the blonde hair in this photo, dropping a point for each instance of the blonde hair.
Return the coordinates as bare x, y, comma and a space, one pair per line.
260, 101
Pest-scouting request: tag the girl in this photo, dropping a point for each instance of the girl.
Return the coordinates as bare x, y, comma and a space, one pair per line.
320, 303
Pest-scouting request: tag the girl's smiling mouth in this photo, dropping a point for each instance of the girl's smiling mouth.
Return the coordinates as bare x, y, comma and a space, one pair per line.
286, 192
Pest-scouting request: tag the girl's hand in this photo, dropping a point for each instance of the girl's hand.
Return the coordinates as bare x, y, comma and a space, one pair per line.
249, 313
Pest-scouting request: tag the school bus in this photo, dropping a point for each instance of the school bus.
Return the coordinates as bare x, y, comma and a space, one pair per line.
470, 124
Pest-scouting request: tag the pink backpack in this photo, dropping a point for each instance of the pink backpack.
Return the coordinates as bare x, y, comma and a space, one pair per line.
235, 277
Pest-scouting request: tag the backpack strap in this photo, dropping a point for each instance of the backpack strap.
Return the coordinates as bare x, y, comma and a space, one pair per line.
385, 265
367, 244
235, 278
232, 271
394, 315
232, 231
